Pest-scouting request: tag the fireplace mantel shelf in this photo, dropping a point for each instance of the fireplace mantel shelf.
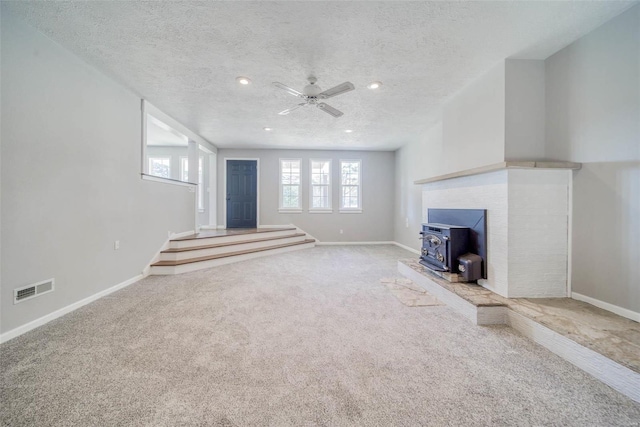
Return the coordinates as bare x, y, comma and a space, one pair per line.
499, 166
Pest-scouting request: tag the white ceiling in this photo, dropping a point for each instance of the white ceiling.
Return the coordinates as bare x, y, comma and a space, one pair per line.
184, 57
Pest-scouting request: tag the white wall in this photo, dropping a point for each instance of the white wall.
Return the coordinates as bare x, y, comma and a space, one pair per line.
499, 116
524, 110
593, 117
476, 130
474, 124
414, 161
175, 154
375, 223
71, 156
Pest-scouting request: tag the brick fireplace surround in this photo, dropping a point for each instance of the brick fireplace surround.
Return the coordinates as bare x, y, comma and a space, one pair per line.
528, 222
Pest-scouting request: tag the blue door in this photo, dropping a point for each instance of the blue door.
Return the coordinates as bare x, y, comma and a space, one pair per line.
242, 192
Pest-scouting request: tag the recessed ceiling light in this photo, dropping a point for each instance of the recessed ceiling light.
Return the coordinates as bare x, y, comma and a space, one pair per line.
374, 85
348, 130
243, 80
268, 129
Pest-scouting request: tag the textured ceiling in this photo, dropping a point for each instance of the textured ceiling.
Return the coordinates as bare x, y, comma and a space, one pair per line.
184, 57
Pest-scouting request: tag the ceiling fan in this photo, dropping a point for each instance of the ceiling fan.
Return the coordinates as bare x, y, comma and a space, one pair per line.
312, 93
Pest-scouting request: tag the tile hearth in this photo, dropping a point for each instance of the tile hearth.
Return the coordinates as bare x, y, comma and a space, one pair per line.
547, 321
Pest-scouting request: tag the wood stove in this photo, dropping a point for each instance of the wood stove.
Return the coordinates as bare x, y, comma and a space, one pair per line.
442, 244
454, 241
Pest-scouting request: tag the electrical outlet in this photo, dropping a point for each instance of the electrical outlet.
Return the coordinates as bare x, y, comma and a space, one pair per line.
406, 222
340, 231
116, 245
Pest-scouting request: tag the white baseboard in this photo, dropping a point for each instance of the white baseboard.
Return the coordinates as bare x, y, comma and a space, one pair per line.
352, 243
65, 310
624, 312
407, 248
415, 251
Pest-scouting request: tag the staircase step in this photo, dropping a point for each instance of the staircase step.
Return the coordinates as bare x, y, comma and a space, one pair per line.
228, 254
219, 245
227, 247
229, 236
199, 263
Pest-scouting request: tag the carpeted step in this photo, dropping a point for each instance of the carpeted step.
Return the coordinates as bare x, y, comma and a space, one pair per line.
218, 245
198, 263
177, 254
229, 236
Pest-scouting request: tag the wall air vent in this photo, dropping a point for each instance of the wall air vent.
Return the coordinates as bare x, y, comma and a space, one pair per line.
27, 292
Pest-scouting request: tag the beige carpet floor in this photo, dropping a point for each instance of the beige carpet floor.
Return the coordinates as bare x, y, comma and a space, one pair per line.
308, 338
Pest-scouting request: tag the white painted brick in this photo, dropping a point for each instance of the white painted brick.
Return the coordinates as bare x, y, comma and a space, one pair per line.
527, 226
543, 200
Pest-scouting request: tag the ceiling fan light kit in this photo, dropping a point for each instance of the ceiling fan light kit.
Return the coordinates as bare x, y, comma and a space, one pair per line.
312, 94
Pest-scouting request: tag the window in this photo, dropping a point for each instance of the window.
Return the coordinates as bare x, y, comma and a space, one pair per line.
165, 150
350, 186
160, 166
290, 200
320, 195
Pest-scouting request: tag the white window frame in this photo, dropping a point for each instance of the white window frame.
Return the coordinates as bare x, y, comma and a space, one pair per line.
149, 109
359, 208
282, 209
327, 209
182, 169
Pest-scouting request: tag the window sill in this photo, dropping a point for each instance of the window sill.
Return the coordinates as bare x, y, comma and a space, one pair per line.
351, 211
320, 211
289, 211
167, 180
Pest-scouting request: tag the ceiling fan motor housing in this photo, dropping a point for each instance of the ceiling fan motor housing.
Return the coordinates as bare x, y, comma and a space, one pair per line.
312, 90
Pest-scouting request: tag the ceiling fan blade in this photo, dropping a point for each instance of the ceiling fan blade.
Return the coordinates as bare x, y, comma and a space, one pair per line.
287, 111
288, 89
329, 109
337, 90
